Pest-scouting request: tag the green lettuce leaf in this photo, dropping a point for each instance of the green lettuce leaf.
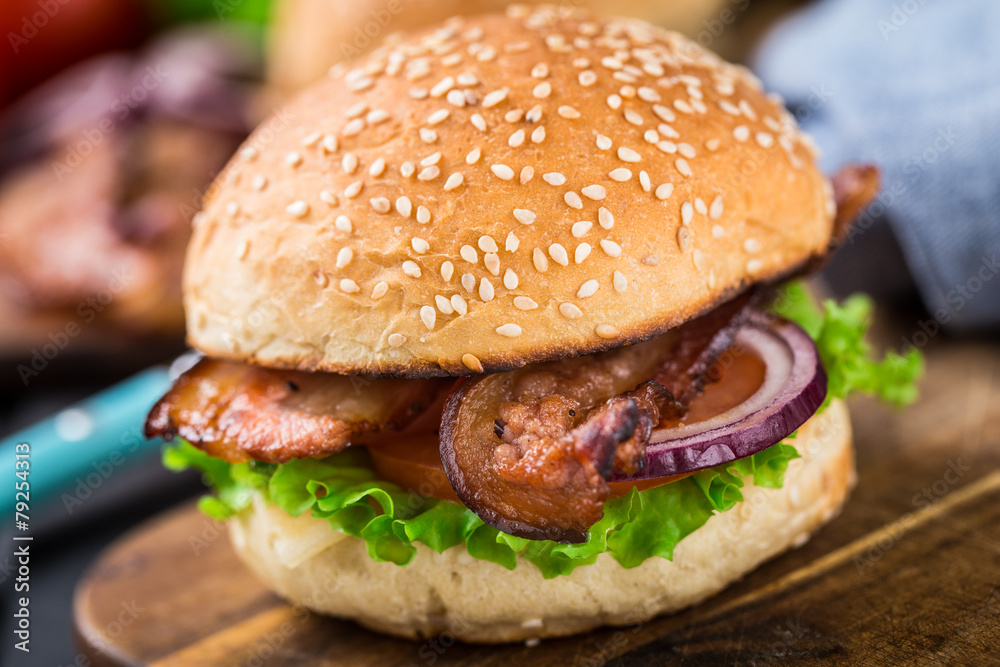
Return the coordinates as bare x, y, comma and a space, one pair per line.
344, 489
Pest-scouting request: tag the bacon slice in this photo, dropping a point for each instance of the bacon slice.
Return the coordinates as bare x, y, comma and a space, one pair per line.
239, 412
530, 451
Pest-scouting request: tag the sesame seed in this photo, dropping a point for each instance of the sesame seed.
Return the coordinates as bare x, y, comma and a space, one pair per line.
456, 98
606, 331
420, 245
361, 84
683, 239
486, 54
645, 182
570, 311
554, 178
377, 168
299, 209
687, 150
469, 254
377, 117
718, 231
478, 122
715, 211
573, 200
343, 224
293, 159
540, 71
765, 139
428, 316
473, 156
633, 117
754, 265
447, 271
453, 181
512, 242
711, 278
248, 153
354, 189
538, 134
628, 155
356, 110
699, 206
349, 163
650, 260
587, 289
486, 291
741, 132
509, 330
683, 106
558, 253
587, 78
404, 206
438, 116
611, 248
668, 131
344, 257
502, 171
428, 136
309, 140
442, 87
697, 258
380, 205
620, 282
516, 139
429, 173
540, 260
621, 174
542, 90
752, 245
380, 289
349, 286
595, 192
683, 167
327, 197
514, 116
411, 268
651, 136
492, 262
664, 113
444, 305
524, 303
510, 280
527, 174
354, 127
423, 215
603, 142
407, 169
472, 363
611, 63
712, 145
605, 218
729, 107
664, 190
568, 112
524, 216
459, 303
243, 249
581, 228
747, 110
487, 244
418, 93
667, 147
687, 213
397, 340
534, 114
494, 98
582, 252
615, 101
259, 182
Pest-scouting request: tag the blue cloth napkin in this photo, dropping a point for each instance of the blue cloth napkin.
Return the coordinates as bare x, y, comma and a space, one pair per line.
913, 86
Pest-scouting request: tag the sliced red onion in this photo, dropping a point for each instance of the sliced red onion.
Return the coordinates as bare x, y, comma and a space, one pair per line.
794, 387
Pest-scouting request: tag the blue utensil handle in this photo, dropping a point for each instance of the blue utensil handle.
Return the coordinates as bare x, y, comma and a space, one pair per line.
75, 451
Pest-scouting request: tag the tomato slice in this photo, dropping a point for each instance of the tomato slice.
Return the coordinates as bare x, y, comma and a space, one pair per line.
411, 459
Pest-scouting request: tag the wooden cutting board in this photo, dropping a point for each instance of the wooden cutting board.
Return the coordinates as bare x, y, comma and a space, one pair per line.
908, 574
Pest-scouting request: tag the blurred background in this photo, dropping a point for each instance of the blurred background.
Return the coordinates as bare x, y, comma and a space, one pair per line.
115, 115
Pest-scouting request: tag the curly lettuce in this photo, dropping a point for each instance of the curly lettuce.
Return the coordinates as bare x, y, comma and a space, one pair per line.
345, 491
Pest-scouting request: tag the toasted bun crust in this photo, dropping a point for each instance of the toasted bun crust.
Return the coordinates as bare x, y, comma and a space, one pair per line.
303, 560
500, 191
308, 36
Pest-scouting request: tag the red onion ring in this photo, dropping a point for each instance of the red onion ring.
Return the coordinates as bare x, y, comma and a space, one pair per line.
794, 387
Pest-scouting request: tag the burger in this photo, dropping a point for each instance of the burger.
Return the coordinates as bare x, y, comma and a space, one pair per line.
498, 339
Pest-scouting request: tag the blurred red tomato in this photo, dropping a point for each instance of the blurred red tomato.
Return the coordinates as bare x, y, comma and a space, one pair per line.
42, 37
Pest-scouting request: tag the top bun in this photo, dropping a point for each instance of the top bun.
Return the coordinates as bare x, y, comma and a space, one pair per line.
501, 190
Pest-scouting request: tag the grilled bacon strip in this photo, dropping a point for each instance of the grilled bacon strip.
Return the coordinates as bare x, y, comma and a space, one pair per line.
238, 412
530, 451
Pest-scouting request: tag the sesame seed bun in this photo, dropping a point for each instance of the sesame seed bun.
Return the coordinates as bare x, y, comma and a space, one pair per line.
307, 563
498, 191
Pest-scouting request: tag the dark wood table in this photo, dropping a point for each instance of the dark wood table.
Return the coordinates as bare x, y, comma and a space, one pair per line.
909, 573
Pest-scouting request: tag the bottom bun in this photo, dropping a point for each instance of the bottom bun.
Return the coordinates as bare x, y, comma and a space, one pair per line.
309, 564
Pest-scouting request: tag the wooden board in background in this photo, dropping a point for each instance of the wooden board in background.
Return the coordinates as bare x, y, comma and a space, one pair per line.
908, 574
